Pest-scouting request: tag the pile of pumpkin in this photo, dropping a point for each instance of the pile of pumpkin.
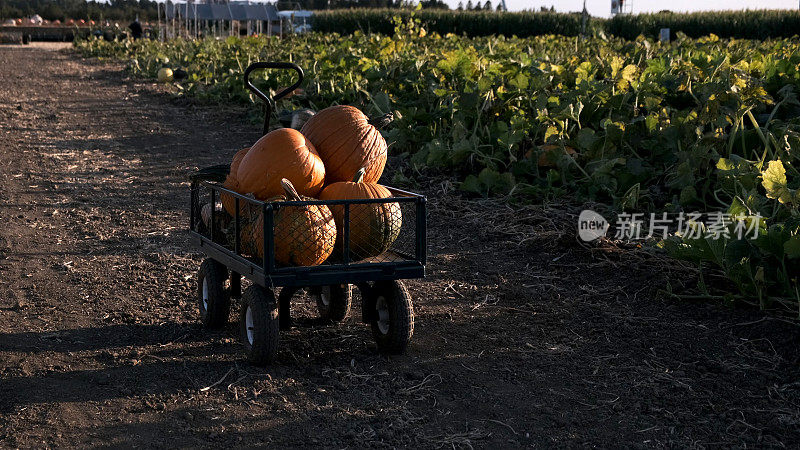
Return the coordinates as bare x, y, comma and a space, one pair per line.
338, 154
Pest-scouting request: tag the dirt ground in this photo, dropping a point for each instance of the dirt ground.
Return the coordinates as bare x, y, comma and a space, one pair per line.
524, 336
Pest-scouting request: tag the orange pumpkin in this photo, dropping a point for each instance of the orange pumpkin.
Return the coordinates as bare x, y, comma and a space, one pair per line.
374, 226
282, 153
347, 140
550, 154
228, 201
304, 235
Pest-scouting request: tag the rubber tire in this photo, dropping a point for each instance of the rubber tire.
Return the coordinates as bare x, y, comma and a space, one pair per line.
266, 325
339, 303
401, 316
218, 309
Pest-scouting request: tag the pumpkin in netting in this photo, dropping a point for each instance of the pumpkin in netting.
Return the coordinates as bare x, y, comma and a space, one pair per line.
228, 201
304, 235
373, 226
282, 153
347, 140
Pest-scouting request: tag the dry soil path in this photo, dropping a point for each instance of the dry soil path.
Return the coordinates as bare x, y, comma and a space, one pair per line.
524, 337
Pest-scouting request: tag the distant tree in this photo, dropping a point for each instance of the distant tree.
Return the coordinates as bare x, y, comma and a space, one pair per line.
52, 11
469, 4
79, 9
499, 7
488, 5
460, 6
433, 4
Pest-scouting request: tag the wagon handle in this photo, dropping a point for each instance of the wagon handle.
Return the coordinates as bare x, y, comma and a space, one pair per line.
270, 102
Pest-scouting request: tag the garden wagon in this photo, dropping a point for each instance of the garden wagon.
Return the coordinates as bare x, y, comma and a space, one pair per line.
386, 303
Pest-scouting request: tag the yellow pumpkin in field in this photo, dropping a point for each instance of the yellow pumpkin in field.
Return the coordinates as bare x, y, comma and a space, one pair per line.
164, 75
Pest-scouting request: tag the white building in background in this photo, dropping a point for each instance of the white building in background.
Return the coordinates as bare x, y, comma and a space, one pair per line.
300, 20
233, 18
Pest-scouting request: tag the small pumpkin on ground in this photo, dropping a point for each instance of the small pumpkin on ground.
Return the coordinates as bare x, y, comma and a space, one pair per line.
281, 153
304, 235
373, 227
164, 75
347, 140
550, 154
228, 201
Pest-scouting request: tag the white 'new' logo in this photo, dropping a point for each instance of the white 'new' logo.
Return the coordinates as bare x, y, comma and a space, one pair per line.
591, 225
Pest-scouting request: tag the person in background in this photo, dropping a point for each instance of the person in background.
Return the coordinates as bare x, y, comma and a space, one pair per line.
136, 29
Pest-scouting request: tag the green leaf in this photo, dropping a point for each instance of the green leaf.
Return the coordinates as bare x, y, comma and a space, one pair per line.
737, 208
688, 195
471, 184
551, 131
520, 81
586, 139
736, 251
792, 247
382, 102
774, 182
725, 164
616, 65
488, 177
631, 197
627, 76
651, 121
773, 240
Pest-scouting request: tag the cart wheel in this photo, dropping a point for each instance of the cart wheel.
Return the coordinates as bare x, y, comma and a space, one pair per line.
393, 318
260, 325
334, 301
214, 301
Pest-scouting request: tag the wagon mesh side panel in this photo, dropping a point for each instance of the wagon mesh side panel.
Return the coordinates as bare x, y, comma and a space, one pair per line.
373, 232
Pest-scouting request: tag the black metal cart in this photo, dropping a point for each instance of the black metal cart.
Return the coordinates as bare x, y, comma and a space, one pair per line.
386, 303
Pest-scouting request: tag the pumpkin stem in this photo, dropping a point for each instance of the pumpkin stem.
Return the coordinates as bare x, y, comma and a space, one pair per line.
381, 121
291, 192
360, 175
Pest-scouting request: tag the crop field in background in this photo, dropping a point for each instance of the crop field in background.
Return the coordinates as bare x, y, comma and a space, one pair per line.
750, 24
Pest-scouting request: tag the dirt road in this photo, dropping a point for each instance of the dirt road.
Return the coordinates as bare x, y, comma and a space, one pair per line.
524, 336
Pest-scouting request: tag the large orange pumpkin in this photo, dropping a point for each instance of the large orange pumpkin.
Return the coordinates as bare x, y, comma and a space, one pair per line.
304, 235
228, 201
282, 153
373, 226
348, 140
